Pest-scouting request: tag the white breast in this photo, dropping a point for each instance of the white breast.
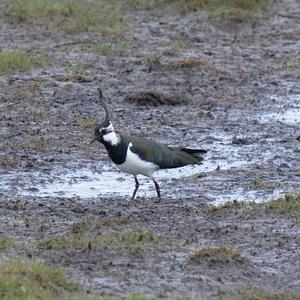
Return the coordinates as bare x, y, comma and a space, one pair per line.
134, 165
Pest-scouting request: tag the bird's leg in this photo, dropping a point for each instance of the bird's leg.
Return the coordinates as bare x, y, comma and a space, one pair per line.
157, 190
136, 187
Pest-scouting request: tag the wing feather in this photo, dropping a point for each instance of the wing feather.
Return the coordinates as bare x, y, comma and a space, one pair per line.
163, 156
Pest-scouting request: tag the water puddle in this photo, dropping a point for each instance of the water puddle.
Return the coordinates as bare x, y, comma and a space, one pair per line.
288, 110
290, 117
108, 180
87, 183
241, 194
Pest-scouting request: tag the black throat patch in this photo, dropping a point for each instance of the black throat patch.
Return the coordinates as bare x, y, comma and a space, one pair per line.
118, 152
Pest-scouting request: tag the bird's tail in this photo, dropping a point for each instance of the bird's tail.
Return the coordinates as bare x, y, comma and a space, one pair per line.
193, 151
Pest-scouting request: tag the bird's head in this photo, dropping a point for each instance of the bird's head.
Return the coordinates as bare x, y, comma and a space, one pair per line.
104, 131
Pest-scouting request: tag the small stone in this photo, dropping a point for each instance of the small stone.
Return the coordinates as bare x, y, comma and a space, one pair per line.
239, 141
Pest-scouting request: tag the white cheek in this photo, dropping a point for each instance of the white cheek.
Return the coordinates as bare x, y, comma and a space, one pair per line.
111, 138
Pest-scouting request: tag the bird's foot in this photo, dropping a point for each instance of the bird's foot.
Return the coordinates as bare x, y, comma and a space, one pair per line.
158, 200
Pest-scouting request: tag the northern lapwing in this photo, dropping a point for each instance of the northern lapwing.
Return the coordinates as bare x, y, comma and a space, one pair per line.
137, 155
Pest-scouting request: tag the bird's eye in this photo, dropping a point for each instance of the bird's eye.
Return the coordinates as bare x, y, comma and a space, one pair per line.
102, 130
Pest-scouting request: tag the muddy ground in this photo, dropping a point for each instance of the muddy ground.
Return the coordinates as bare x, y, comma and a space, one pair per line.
230, 88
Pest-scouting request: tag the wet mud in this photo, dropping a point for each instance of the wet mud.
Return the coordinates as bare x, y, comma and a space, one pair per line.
186, 82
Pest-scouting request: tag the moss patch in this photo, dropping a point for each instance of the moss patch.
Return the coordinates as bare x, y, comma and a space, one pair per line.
153, 98
222, 254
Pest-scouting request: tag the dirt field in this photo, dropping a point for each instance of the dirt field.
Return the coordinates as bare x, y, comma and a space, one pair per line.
224, 80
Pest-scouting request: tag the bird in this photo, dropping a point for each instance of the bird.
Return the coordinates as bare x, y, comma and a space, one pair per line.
137, 155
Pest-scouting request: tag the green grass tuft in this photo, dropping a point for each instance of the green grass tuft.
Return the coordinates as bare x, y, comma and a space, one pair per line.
261, 184
223, 208
6, 242
12, 61
32, 10
33, 143
32, 280
86, 225
137, 297
65, 243
255, 293
193, 5
290, 203
36, 280
69, 16
132, 241
225, 4
147, 4
232, 12
110, 49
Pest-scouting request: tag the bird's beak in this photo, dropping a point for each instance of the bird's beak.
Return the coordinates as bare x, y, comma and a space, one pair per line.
93, 141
